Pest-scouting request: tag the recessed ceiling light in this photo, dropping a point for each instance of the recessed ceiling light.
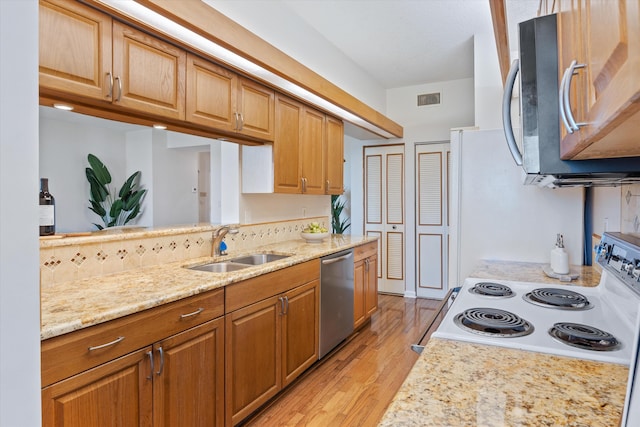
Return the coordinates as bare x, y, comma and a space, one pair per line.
63, 107
159, 126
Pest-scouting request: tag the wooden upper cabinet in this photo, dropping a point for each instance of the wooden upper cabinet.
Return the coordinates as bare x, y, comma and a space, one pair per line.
604, 36
75, 49
286, 147
256, 110
211, 94
335, 156
149, 74
308, 150
313, 146
221, 99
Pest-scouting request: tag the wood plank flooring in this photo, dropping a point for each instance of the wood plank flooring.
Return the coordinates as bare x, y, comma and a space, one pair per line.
354, 385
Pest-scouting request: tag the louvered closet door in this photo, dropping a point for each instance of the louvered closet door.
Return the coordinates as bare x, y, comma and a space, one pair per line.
432, 219
384, 212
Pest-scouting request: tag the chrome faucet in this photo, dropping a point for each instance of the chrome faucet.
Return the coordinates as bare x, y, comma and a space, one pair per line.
218, 235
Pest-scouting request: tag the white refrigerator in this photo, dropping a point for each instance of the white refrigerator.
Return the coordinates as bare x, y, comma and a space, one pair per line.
494, 216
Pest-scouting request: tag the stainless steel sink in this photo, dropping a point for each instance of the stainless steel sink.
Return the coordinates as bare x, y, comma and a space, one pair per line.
238, 263
220, 267
257, 259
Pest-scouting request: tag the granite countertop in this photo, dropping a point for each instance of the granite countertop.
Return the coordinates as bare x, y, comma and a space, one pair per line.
463, 384
533, 272
455, 383
74, 305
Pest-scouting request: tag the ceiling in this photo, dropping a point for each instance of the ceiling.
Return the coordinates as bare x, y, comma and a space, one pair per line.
397, 42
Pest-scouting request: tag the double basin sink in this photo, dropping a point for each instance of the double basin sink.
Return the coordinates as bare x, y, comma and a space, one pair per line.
238, 263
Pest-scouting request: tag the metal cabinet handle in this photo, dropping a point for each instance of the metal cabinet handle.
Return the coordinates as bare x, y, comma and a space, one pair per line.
326, 186
241, 121
506, 112
366, 264
286, 299
195, 313
161, 352
563, 114
110, 94
119, 80
567, 95
150, 354
281, 299
304, 184
114, 342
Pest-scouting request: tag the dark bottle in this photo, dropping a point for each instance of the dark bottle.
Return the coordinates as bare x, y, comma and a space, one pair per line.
47, 209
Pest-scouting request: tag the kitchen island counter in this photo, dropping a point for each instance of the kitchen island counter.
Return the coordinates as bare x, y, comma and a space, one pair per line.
73, 305
455, 383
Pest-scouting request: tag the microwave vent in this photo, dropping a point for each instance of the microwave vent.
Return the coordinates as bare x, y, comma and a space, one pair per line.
429, 99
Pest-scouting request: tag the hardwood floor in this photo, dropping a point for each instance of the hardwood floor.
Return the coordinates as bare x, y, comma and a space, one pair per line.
354, 385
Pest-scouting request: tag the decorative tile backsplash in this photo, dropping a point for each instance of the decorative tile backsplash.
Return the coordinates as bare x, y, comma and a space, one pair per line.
630, 209
69, 259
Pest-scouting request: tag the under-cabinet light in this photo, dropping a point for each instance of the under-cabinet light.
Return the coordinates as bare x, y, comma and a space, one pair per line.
159, 126
177, 31
64, 107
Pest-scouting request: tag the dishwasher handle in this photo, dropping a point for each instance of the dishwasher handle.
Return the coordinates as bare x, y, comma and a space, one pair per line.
336, 259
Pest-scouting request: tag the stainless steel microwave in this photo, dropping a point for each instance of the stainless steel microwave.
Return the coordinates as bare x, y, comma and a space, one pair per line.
538, 148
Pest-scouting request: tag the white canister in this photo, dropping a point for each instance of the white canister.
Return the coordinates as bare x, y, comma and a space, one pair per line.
559, 257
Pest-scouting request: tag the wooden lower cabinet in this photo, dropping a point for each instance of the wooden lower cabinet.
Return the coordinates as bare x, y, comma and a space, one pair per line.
178, 381
269, 344
117, 393
365, 278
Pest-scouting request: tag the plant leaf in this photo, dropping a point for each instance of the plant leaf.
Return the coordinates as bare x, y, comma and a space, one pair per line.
97, 208
134, 200
116, 209
128, 185
100, 170
133, 214
98, 226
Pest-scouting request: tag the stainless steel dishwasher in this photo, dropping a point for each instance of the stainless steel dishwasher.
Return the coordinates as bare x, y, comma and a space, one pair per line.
336, 299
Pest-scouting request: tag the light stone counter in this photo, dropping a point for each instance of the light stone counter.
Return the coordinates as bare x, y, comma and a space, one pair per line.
456, 383
532, 272
464, 384
77, 304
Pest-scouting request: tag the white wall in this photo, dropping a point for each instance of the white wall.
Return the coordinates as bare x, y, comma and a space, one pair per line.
19, 245
606, 209
257, 208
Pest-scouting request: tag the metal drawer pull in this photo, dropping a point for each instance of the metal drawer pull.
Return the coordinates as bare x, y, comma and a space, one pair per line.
114, 342
119, 80
110, 94
195, 313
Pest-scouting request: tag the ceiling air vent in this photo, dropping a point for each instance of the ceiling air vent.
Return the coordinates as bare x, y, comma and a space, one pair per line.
429, 99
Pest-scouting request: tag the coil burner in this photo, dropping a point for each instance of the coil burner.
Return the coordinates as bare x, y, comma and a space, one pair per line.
584, 336
489, 289
493, 322
562, 299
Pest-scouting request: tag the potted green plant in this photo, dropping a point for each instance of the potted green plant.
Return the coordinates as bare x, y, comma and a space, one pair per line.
339, 225
114, 211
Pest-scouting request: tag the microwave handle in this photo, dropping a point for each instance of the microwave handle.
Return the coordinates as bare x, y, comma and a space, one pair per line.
506, 112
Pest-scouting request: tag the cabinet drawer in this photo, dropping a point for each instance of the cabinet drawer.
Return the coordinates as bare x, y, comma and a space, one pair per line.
78, 351
365, 251
259, 288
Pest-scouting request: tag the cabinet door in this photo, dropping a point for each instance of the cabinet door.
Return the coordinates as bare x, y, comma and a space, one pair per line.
608, 86
189, 377
83, 67
312, 152
117, 394
286, 147
149, 74
253, 357
300, 330
335, 156
257, 110
359, 289
371, 285
211, 94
